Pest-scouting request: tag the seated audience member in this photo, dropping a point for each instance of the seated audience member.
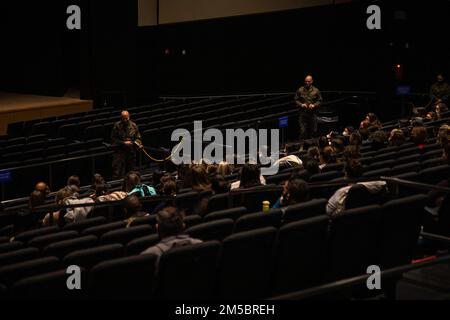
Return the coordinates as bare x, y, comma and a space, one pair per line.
443, 135
338, 145
287, 162
322, 142
351, 152
132, 185
42, 187
328, 156
219, 184
196, 178
170, 190
132, 209
431, 116
348, 131
312, 167
379, 140
419, 136
74, 181
314, 153
370, 121
250, 176
211, 170
27, 219
66, 193
353, 171
224, 169
365, 135
294, 191
355, 139
170, 227
396, 138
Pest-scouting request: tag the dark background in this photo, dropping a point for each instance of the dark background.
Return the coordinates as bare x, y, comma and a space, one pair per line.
112, 59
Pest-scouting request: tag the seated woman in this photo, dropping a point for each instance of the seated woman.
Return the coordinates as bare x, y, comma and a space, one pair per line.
294, 191
250, 176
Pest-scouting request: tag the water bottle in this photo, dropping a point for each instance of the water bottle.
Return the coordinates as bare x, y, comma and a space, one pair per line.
266, 206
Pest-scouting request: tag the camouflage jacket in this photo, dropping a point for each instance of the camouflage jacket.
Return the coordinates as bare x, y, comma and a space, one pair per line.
308, 96
120, 133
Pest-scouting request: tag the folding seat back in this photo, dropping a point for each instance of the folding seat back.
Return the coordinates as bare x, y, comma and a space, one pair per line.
359, 196
400, 229
133, 278
62, 248
11, 246
214, 230
354, 241
139, 245
409, 167
304, 210
11, 273
434, 175
218, 202
253, 198
258, 220
192, 220
327, 176
43, 241
198, 279
123, 236
408, 152
300, 251
233, 214
49, 286
79, 226
432, 155
28, 235
246, 264
408, 159
333, 167
87, 258
17, 256
377, 173
278, 178
382, 165
104, 228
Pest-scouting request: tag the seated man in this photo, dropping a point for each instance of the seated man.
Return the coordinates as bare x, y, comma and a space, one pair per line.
353, 171
170, 227
132, 209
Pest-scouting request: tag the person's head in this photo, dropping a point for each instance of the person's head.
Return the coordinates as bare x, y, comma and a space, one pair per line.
309, 81
250, 176
98, 179
312, 166
74, 181
211, 169
338, 145
419, 135
323, 142
372, 118
348, 131
353, 169
379, 139
328, 156
131, 206
169, 222
199, 178
125, 117
356, 138
130, 181
440, 78
443, 134
351, 152
101, 190
295, 191
170, 188
219, 184
314, 153
37, 198
431, 116
64, 193
42, 187
397, 138
224, 169
291, 147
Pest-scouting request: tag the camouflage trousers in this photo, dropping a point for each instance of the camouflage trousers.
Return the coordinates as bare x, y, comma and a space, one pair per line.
123, 162
308, 125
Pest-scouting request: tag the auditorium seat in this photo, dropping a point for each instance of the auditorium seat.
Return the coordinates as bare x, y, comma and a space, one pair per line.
435, 162
327, 176
377, 173
79, 226
68, 131
353, 241
42, 128
233, 214
41, 242
198, 279
87, 258
101, 229
434, 175
333, 167
62, 248
246, 264
49, 286
278, 178
258, 220
11, 246
123, 236
408, 159
192, 220
214, 230
147, 220
93, 132
382, 165
409, 167
14, 272
301, 249
137, 246
300, 211
28, 235
134, 278
17, 256
432, 154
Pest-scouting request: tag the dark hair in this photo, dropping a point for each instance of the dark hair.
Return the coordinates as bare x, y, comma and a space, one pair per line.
64, 193
297, 191
219, 184
338, 145
169, 188
354, 169
197, 178
131, 180
250, 176
322, 142
419, 135
97, 179
314, 153
211, 169
397, 138
132, 206
328, 155
312, 166
74, 180
364, 133
379, 139
37, 198
170, 222
351, 152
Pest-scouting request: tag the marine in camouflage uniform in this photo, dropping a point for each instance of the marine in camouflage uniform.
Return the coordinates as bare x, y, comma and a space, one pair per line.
440, 94
123, 135
308, 98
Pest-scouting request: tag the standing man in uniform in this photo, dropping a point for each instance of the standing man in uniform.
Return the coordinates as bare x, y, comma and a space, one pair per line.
124, 134
308, 99
440, 94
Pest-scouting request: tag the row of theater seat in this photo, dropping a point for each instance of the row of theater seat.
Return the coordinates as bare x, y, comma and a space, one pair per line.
262, 261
